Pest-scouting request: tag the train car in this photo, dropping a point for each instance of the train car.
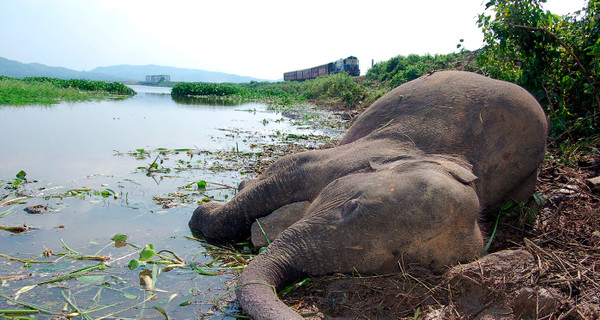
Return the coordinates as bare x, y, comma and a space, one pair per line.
349, 65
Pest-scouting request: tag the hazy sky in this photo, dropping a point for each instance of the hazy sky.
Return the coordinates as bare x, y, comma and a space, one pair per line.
256, 38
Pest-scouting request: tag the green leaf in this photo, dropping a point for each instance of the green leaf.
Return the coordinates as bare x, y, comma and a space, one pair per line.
130, 296
21, 175
147, 252
201, 185
539, 199
202, 271
134, 264
119, 238
293, 286
507, 206
186, 303
161, 310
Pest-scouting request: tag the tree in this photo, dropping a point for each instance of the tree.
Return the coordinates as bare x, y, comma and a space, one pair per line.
555, 58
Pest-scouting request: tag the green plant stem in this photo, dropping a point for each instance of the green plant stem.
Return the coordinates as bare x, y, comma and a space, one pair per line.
150, 297
12, 200
24, 260
28, 305
487, 246
263, 232
21, 311
75, 274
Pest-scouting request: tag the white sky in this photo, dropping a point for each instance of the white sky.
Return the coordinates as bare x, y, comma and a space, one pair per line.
259, 38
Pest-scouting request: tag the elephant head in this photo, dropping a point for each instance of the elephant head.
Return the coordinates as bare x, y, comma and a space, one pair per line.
419, 211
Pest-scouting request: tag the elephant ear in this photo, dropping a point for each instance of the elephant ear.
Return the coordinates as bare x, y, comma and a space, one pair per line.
382, 163
406, 162
460, 173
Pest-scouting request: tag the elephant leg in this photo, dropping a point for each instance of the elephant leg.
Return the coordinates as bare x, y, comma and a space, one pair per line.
267, 228
287, 182
525, 188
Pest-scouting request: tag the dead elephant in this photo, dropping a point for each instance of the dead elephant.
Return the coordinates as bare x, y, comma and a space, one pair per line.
406, 185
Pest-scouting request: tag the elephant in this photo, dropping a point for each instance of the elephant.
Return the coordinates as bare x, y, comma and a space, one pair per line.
408, 183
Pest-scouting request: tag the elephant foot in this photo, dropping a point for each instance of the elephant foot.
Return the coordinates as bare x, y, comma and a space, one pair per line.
203, 220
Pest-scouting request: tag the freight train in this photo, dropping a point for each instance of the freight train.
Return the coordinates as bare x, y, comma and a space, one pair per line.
350, 65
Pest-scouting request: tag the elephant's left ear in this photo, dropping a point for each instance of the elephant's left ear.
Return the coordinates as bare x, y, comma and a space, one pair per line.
458, 172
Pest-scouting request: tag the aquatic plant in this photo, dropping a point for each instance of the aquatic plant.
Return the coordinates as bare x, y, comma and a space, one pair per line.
86, 85
220, 90
41, 90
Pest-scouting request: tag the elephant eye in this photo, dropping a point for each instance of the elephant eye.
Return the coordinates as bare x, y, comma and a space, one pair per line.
349, 207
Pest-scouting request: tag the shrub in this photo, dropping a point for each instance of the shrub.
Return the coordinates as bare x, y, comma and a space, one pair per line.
555, 58
337, 86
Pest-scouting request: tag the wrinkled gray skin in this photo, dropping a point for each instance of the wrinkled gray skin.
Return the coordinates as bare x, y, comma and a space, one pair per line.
406, 185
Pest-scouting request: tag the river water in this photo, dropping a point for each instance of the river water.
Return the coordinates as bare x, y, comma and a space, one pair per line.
102, 168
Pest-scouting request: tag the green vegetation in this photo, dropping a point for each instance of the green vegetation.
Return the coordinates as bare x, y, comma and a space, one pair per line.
223, 90
41, 90
99, 277
337, 88
401, 69
555, 58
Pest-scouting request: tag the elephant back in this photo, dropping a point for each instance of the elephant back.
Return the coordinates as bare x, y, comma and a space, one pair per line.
497, 126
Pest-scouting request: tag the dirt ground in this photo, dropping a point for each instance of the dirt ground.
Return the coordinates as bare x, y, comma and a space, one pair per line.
544, 263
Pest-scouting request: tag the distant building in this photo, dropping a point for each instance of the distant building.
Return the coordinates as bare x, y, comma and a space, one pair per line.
156, 79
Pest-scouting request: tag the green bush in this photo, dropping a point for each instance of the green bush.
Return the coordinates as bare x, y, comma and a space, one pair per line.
555, 58
337, 86
202, 89
401, 69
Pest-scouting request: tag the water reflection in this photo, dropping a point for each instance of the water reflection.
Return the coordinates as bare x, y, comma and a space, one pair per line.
208, 101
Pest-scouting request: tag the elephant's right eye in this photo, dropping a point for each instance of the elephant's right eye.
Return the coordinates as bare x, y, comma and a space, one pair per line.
349, 207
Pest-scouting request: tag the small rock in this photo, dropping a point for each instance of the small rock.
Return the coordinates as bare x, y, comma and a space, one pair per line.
566, 191
37, 209
497, 263
534, 304
594, 183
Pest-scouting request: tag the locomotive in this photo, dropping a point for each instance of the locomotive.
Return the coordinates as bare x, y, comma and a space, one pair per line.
349, 65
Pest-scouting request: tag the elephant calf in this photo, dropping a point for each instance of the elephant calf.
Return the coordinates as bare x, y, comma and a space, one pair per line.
406, 185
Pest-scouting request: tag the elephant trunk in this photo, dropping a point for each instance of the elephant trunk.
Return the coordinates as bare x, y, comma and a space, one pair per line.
257, 286
231, 221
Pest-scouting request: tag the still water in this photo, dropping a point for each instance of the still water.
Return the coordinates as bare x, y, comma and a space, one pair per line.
73, 153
